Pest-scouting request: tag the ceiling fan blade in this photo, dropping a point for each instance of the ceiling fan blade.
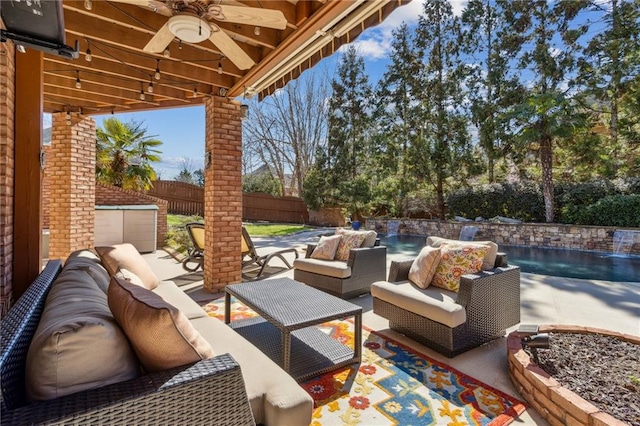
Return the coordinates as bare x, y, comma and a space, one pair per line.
267, 18
160, 41
230, 49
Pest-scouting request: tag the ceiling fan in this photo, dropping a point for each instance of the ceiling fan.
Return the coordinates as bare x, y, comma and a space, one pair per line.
189, 21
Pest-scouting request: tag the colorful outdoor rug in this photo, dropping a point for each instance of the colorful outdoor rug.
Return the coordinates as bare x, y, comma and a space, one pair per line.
395, 385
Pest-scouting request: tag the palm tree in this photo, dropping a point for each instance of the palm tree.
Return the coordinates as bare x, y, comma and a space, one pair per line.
124, 154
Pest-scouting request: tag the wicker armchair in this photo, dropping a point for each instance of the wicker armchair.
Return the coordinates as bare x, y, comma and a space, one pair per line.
491, 300
207, 392
367, 265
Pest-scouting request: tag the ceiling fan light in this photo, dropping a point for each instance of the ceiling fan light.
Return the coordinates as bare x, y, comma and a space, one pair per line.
189, 28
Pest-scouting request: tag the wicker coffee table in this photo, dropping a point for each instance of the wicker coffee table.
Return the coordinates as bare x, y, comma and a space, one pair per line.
285, 331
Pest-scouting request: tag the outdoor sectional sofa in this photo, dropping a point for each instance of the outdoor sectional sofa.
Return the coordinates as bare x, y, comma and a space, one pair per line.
239, 385
486, 304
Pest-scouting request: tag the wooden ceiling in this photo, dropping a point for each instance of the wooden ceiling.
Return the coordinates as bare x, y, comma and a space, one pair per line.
120, 71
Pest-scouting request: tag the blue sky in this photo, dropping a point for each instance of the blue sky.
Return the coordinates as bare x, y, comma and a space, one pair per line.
182, 129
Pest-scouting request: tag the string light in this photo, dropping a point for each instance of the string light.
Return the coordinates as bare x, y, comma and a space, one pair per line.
256, 31
150, 88
87, 56
88, 4
142, 97
219, 67
180, 44
166, 53
78, 83
68, 117
157, 74
195, 91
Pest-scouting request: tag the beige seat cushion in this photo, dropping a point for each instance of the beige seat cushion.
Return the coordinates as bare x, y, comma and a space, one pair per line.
160, 334
434, 303
275, 397
326, 247
89, 262
331, 268
78, 345
489, 261
171, 293
126, 256
424, 266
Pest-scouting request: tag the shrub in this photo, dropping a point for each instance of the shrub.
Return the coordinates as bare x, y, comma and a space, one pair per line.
177, 235
573, 197
615, 210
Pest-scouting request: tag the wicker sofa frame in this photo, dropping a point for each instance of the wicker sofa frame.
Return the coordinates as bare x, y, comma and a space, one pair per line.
491, 300
207, 392
368, 265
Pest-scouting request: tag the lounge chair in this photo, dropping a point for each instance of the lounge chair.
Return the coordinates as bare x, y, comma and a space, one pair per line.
250, 256
194, 260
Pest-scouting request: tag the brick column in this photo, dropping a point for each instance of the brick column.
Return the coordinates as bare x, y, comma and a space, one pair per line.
222, 193
71, 166
7, 104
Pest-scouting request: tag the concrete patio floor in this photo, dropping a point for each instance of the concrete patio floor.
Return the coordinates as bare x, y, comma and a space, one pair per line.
544, 300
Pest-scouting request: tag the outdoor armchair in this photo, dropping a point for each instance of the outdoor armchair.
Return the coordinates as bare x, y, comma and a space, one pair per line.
250, 256
195, 258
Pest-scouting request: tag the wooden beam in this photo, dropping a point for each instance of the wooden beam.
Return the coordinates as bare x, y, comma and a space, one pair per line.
27, 215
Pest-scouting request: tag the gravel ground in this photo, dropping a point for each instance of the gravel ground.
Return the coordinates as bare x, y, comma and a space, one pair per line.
601, 369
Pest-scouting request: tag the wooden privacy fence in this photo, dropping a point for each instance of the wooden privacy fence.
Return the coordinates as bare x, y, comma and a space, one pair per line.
187, 199
182, 198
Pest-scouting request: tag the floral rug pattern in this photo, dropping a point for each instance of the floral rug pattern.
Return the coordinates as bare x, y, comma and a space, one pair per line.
394, 385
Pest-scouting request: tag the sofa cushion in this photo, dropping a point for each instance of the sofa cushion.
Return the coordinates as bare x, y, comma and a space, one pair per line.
160, 334
347, 242
331, 268
326, 248
434, 303
489, 260
456, 261
424, 266
78, 345
171, 293
275, 397
126, 256
89, 262
369, 236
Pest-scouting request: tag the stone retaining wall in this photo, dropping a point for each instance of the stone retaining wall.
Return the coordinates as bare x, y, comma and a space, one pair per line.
555, 403
592, 238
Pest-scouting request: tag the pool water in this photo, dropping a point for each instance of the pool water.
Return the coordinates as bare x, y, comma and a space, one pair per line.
545, 261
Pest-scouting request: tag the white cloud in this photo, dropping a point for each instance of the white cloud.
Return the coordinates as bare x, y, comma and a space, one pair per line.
375, 43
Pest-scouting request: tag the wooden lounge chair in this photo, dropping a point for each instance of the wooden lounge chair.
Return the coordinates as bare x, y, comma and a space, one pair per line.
195, 259
250, 256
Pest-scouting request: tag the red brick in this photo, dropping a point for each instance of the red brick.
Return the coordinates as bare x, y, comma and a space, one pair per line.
604, 419
540, 379
573, 404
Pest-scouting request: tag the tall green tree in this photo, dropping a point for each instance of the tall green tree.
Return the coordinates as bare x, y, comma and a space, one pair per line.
125, 153
488, 40
547, 47
395, 119
442, 135
607, 71
340, 176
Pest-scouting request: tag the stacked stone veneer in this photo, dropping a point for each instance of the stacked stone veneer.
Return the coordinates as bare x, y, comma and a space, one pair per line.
7, 96
222, 193
112, 196
555, 403
594, 238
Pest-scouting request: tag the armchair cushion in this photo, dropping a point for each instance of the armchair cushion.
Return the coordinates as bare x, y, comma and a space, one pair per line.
160, 334
434, 303
489, 261
326, 248
424, 266
337, 269
455, 262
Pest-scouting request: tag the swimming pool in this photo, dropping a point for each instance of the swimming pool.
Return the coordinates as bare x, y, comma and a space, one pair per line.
545, 261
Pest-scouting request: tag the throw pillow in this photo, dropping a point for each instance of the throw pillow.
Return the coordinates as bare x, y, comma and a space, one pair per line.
424, 266
456, 261
326, 248
159, 333
489, 261
126, 256
347, 242
369, 236
127, 275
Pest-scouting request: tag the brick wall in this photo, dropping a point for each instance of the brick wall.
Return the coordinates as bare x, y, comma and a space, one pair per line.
223, 193
594, 238
7, 90
112, 196
71, 170
46, 188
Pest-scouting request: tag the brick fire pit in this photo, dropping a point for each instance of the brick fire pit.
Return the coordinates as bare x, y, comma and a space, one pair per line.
555, 403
